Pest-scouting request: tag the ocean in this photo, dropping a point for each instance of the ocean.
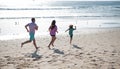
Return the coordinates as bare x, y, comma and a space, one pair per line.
83, 14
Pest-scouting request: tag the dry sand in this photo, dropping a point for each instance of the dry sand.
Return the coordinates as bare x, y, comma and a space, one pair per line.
99, 50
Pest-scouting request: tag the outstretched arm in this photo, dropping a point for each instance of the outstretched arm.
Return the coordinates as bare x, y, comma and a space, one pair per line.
66, 30
75, 27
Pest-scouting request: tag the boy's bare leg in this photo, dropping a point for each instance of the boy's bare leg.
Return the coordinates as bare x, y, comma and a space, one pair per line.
34, 42
25, 42
70, 40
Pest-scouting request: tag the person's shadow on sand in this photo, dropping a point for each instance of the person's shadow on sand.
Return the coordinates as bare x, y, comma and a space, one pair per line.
34, 55
58, 51
75, 46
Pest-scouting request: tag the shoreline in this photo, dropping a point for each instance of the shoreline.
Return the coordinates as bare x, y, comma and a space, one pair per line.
14, 29
46, 34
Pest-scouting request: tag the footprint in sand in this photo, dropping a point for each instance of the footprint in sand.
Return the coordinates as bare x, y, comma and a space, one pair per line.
93, 60
6, 56
52, 61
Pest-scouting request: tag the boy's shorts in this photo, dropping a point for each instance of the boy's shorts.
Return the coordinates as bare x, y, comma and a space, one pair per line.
31, 36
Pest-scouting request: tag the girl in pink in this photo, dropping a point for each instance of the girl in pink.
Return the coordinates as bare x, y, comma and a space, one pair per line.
52, 30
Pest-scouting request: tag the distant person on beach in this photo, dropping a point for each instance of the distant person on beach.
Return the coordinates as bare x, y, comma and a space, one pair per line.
32, 27
52, 30
71, 29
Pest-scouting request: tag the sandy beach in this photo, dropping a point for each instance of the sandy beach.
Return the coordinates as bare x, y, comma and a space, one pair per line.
90, 49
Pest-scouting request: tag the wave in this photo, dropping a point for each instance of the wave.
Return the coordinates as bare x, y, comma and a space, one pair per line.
117, 7
62, 17
42, 8
112, 23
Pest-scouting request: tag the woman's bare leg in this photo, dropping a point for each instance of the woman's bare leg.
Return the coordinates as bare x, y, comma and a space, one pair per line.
54, 38
51, 42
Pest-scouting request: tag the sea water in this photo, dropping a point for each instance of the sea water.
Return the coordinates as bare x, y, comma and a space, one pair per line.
83, 14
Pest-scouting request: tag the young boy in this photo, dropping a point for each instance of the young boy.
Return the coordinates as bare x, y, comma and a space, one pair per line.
71, 29
32, 27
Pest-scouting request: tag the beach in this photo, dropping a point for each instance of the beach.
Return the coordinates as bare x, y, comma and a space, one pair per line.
95, 45
90, 49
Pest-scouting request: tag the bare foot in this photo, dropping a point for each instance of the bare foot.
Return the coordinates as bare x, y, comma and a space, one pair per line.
37, 48
21, 45
52, 45
49, 47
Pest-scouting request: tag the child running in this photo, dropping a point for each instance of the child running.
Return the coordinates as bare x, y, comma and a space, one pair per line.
52, 30
71, 29
32, 27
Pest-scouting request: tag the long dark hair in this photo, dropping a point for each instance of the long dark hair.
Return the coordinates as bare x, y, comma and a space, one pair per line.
52, 24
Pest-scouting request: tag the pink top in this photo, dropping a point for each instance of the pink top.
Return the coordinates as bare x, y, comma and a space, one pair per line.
53, 31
